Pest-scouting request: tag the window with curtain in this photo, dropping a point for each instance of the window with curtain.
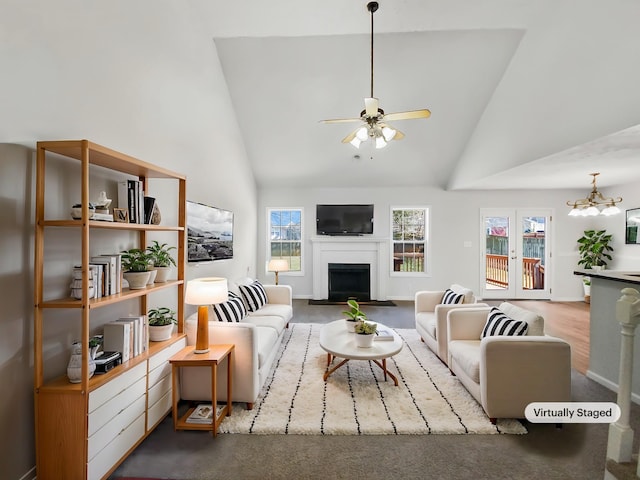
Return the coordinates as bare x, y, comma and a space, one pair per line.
410, 235
285, 236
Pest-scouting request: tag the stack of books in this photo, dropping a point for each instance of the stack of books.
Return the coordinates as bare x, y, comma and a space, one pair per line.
131, 198
383, 333
203, 413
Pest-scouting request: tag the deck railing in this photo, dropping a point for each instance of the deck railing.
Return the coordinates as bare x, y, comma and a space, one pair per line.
497, 272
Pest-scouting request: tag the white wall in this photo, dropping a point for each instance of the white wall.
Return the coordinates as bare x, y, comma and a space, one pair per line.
63, 79
455, 219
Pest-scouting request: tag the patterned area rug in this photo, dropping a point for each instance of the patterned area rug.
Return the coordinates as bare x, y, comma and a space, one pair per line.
355, 400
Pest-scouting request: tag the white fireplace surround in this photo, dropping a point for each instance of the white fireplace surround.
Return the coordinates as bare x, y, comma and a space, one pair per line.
361, 249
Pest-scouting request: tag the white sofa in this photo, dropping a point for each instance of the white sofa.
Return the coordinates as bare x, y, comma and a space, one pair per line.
256, 338
431, 316
506, 373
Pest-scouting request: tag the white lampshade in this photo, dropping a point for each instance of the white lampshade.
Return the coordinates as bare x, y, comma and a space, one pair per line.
278, 265
206, 291
388, 133
380, 142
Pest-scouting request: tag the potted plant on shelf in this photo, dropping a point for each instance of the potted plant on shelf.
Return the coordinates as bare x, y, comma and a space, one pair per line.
161, 321
354, 315
594, 247
365, 333
161, 260
135, 262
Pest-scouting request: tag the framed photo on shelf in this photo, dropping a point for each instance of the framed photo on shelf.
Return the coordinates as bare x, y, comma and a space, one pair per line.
121, 215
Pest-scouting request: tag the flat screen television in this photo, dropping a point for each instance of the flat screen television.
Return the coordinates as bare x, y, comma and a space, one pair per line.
209, 233
344, 219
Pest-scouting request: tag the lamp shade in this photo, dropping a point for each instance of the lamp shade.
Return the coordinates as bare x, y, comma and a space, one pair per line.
206, 291
278, 265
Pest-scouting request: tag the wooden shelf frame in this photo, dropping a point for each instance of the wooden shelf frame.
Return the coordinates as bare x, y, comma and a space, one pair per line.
90, 155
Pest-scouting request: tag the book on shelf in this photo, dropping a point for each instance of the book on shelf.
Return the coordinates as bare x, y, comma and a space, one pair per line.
105, 274
149, 204
383, 334
131, 198
140, 338
116, 270
203, 413
117, 338
104, 217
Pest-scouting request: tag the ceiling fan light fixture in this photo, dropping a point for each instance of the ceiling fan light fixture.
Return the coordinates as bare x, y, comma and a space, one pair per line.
380, 142
362, 134
371, 107
356, 142
388, 133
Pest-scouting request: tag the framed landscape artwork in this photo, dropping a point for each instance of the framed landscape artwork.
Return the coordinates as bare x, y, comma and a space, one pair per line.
209, 233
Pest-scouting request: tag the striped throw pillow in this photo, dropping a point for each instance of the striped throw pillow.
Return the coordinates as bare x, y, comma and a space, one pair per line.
451, 297
254, 295
232, 310
499, 324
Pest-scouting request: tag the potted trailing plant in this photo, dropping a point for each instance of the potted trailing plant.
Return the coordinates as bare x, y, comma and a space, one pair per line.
161, 321
594, 247
354, 315
365, 333
134, 264
161, 259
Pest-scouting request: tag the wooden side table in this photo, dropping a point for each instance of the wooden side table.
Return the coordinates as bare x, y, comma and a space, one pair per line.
186, 358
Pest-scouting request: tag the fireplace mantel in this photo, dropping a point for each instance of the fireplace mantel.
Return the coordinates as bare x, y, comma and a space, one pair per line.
346, 249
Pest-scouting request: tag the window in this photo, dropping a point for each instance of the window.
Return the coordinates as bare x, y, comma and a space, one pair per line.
285, 236
409, 233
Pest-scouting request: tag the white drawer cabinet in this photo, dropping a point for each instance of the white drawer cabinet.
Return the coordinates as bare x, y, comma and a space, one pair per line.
159, 381
116, 449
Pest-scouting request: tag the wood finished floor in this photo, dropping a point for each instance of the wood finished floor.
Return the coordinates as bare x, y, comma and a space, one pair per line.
566, 320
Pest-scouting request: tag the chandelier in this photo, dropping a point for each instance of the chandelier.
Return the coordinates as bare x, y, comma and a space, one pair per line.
594, 204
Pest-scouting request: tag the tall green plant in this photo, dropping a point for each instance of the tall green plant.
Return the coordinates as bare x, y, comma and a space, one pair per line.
594, 247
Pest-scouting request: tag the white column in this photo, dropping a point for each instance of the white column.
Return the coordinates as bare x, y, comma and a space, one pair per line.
620, 442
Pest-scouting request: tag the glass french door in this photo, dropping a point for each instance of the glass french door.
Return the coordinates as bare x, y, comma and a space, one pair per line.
516, 257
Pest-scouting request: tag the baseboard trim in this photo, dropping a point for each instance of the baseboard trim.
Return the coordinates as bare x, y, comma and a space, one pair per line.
635, 398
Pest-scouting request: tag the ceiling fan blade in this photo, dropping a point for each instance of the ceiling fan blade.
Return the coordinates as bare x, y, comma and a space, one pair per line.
371, 106
341, 120
424, 113
398, 136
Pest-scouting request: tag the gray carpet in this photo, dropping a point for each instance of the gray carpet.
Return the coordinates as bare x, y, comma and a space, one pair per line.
577, 451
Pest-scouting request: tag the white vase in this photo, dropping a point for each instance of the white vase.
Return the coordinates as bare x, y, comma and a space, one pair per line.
74, 368
351, 325
137, 280
364, 340
160, 333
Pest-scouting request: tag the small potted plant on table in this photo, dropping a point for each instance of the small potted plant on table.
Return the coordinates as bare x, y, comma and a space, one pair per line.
135, 263
161, 321
161, 259
365, 333
354, 315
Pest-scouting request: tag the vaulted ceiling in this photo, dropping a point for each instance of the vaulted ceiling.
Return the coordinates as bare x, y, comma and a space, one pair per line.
523, 94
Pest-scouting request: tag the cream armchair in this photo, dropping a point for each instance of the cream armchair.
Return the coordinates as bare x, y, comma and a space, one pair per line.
431, 317
506, 373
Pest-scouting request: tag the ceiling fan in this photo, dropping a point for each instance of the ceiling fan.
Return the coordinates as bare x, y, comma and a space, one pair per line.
373, 117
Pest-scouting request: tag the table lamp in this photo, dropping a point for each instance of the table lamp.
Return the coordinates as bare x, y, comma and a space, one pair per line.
278, 265
204, 292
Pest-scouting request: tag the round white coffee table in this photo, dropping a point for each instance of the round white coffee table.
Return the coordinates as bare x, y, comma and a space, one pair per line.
338, 342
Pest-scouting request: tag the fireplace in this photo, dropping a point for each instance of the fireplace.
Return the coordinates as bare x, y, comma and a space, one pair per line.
349, 280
